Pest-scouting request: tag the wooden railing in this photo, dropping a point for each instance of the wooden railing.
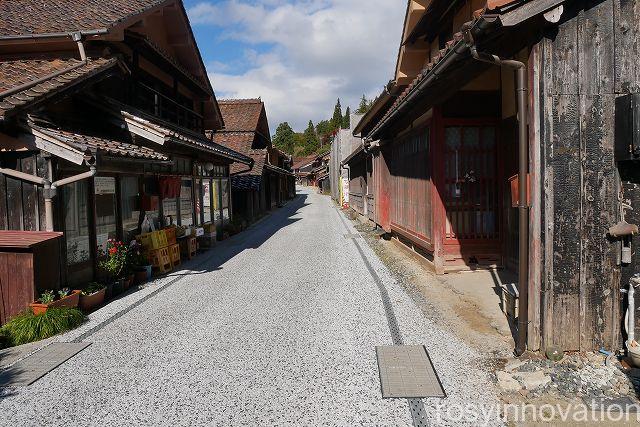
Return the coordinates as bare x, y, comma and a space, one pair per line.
163, 107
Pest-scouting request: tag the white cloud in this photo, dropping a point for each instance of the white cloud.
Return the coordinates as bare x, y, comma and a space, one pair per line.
322, 50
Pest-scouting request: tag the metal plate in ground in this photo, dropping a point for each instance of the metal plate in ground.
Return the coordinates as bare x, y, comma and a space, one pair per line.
40, 363
352, 236
406, 371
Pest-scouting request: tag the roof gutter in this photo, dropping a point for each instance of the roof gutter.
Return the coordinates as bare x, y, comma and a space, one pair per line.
77, 37
457, 53
44, 36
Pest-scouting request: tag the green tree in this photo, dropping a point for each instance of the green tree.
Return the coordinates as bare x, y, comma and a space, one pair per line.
311, 143
284, 138
336, 120
324, 127
364, 105
346, 121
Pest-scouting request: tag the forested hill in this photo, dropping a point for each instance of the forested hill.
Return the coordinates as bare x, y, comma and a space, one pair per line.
316, 139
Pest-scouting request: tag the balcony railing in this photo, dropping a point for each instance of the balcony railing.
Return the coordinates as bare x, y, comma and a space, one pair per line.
162, 106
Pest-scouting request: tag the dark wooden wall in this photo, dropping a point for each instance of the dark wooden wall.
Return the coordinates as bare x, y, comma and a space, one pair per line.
21, 203
585, 62
358, 184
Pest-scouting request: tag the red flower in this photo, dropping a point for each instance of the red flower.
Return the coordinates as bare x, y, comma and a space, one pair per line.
113, 251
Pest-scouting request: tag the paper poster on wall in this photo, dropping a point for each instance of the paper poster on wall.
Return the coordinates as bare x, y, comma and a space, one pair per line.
105, 185
345, 190
206, 196
102, 240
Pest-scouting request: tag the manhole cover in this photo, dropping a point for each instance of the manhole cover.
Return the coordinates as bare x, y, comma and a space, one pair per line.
40, 363
406, 371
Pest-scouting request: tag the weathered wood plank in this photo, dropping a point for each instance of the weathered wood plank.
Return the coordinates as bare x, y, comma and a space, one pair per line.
599, 275
627, 51
14, 201
3, 202
43, 172
567, 212
29, 196
563, 57
596, 48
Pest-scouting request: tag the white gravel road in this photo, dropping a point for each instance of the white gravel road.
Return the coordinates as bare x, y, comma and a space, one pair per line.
277, 327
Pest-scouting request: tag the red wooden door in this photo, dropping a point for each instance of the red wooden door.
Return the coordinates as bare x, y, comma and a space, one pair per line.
471, 188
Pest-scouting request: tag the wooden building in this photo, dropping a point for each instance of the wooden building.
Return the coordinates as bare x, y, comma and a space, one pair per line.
342, 146
443, 141
103, 111
309, 169
270, 182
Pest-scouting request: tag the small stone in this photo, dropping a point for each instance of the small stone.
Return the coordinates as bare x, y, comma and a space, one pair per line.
534, 380
507, 382
513, 365
624, 388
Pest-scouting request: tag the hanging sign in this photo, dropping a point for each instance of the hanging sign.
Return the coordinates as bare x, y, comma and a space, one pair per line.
104, 185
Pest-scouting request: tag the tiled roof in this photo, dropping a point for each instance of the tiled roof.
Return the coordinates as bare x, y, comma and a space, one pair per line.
168, 130
242, 143
17, 72
241, 115
246, 182
302, 161
107, 145
20, 17
492, 8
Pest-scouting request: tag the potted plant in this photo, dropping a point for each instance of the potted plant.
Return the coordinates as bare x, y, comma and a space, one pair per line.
114, 263
64, 298
92, 296
139, 262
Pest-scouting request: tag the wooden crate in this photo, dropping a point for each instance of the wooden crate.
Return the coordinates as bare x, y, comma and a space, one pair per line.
174, 252
153, 241
170, 232
188, 247
160, 259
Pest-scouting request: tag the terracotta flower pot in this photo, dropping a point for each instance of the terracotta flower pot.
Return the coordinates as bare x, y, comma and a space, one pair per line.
88, 303
70, 301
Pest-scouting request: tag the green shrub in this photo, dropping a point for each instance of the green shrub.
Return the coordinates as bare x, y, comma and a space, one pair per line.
28, 327
5, 339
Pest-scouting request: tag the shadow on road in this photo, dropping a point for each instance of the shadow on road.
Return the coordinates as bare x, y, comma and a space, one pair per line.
253, 237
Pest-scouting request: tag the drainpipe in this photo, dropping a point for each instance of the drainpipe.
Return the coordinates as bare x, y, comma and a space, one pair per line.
523, 159
50, 187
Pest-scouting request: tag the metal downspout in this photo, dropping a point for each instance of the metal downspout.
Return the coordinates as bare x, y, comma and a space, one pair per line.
523, 169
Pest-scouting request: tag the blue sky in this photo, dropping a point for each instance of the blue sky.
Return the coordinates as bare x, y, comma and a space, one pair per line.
298, 55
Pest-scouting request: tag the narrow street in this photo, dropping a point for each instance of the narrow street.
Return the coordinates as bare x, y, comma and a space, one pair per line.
278, 327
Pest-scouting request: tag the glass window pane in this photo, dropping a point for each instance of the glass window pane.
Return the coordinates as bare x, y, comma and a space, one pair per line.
452, 138
170, 211
186, 204
105, 200
76, 224
471, 138
130, 207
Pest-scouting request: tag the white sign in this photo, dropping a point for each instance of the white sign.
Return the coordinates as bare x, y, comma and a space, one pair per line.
105, 185
345, 190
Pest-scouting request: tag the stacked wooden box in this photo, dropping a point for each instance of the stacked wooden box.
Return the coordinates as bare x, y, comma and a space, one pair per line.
157, 250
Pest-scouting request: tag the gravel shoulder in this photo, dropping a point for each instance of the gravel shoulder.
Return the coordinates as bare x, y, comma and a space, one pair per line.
276, 326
